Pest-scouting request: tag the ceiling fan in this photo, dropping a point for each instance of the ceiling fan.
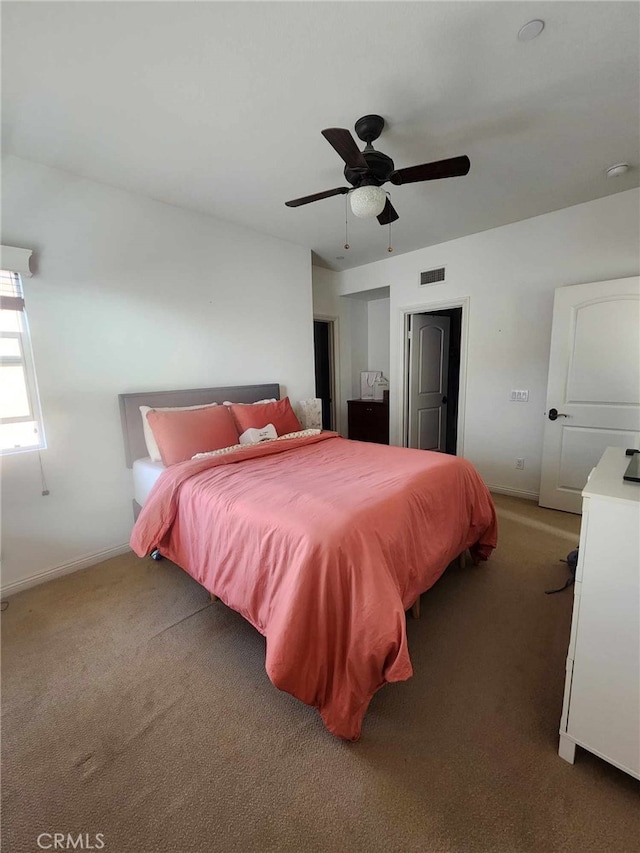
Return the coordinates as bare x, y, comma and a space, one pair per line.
367, 170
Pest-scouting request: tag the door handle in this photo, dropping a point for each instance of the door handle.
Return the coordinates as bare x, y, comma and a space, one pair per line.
554, 414
444, 400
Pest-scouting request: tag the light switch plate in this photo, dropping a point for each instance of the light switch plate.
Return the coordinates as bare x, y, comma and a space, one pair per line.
520, 396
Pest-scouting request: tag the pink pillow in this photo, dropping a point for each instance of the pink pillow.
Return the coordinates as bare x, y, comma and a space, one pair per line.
180, 435
257, 416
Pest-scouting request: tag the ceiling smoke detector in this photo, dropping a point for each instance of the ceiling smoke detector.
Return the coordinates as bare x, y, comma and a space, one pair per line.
618, 169
531, 30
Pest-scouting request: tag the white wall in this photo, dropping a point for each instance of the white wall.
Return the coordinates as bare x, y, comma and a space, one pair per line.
363, 333
378, 335
352, 350
509, 274
131, 295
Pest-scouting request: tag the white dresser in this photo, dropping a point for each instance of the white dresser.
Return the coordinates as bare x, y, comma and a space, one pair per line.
601, 710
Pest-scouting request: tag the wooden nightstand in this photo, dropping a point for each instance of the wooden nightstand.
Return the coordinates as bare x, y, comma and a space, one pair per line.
369, 420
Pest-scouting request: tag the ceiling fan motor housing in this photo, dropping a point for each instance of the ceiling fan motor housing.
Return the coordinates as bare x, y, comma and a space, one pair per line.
380, 167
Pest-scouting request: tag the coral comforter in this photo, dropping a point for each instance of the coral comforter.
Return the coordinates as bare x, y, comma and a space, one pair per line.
322, 544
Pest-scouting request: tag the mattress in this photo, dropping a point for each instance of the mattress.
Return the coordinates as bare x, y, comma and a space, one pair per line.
145, 474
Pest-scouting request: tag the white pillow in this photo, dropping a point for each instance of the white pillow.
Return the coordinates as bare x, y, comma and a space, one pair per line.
152, 447
270, 400
253, 435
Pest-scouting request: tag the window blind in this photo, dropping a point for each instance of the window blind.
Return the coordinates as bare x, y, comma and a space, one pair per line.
11, 295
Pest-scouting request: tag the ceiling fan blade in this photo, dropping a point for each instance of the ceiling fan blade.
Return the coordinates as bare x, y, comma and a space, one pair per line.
296, 202
345, 145
388, 214
452, 168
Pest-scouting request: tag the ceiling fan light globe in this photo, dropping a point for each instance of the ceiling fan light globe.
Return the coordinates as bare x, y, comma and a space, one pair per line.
368, 201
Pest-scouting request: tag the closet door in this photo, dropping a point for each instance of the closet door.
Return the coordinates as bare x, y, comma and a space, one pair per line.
593, 391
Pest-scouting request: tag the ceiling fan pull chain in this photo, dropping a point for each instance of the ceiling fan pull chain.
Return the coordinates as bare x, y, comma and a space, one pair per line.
346, 226
390, 247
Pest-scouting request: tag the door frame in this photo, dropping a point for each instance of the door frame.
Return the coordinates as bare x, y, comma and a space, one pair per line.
334, 364
402, 377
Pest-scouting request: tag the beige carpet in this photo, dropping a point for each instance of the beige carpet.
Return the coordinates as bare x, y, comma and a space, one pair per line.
135, 709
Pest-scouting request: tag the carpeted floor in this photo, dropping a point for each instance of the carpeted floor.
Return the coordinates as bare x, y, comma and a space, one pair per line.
135, 708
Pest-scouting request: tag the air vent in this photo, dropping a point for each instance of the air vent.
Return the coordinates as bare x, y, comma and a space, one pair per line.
432, 276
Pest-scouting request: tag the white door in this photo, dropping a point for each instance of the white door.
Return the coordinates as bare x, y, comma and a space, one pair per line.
428, 376
593, 391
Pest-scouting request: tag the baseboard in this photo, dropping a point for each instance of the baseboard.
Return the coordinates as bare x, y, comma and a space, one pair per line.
514, 493
64, 569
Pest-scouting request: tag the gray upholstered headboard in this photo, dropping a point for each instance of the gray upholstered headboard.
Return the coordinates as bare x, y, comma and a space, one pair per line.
134, 444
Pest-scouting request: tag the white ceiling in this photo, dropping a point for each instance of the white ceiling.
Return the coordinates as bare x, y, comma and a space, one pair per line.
218, 107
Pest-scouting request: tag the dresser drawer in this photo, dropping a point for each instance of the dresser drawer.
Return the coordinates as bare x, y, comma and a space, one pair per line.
369, 420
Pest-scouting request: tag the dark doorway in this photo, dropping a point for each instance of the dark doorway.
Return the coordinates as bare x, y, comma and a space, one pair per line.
323, 351
452, 369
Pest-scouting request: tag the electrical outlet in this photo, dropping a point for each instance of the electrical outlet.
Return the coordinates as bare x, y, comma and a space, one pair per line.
519, 463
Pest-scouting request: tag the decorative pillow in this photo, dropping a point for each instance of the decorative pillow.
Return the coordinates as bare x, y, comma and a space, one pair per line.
310, 413
152, 447
182, 434
258, 415
302, 434
253, 435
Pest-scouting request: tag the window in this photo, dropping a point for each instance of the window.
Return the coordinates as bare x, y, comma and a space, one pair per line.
20, 416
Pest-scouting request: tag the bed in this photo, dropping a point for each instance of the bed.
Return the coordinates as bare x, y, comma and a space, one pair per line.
322, 544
